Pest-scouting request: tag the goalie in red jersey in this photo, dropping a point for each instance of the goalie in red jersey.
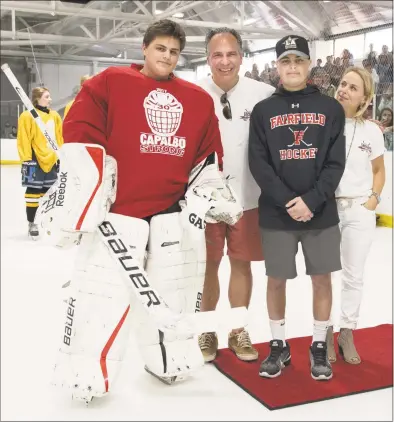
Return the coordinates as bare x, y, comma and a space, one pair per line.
160, 138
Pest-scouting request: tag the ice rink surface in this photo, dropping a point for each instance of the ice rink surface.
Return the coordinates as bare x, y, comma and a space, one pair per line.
32, 316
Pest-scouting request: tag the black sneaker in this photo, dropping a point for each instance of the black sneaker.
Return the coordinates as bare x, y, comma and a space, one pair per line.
278, 358
320, 365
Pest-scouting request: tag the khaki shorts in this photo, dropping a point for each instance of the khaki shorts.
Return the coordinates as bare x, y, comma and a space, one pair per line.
243, 239
321, 250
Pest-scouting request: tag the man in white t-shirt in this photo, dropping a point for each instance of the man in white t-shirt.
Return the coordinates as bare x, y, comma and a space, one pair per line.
234, 98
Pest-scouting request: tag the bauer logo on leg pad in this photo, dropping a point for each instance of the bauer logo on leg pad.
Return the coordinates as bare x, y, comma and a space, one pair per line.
130, 265
69, 322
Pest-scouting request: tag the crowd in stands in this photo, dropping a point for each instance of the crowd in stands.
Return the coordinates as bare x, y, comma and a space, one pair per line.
327, 78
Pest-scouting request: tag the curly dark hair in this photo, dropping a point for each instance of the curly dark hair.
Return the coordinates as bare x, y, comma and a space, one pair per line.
165, 28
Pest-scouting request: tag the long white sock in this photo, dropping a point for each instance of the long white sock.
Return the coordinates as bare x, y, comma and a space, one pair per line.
278, 330
320, 330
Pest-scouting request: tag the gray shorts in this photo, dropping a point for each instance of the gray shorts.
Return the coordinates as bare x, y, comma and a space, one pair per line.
321, 250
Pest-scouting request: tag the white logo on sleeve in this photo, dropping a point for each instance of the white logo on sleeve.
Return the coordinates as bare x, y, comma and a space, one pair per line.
163, 114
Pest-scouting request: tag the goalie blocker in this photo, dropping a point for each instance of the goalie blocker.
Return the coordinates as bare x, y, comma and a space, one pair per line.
101, 306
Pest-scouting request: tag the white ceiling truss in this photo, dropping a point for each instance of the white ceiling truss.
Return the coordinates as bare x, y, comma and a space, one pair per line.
112, 31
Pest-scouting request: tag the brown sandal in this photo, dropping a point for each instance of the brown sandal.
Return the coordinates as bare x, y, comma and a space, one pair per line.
331, 354
347, 348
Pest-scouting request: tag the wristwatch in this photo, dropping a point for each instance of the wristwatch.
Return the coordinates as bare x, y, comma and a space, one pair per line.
377, 196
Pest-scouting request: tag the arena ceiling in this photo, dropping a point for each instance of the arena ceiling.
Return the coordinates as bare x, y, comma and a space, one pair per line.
112, 31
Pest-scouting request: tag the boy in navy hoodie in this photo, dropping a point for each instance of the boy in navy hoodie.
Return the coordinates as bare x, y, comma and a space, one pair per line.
297, 157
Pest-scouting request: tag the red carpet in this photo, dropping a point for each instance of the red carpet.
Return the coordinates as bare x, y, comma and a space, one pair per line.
295, 385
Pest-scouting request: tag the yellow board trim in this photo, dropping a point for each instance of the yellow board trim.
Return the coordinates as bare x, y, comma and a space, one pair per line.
32, 204
385, 220
9, 162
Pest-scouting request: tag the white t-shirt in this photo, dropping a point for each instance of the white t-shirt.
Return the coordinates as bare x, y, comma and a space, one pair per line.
235, 133
368, 144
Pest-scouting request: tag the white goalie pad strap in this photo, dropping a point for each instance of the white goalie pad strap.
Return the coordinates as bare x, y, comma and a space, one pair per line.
83, 192
96, 327
209, 197
175, 267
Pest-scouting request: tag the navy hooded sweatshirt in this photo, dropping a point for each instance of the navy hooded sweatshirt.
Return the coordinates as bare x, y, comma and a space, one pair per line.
297, 148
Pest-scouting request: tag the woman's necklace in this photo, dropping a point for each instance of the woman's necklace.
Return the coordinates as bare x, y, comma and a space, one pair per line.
351, 143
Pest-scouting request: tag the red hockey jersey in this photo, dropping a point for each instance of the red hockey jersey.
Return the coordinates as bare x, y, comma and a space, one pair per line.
156, 130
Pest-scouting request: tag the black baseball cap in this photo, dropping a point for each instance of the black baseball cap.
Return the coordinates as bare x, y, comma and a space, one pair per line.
292, 44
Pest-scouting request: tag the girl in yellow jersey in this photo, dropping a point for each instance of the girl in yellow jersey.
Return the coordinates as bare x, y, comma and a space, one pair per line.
39, 162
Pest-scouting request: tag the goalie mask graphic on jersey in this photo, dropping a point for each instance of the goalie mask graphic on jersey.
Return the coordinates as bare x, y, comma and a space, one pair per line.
163, 112
164, 115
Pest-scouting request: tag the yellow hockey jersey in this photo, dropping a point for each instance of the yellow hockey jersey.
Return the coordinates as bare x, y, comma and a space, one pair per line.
67, 108
30, 138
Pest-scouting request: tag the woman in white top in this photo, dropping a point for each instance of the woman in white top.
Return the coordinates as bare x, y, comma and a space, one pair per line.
358, 194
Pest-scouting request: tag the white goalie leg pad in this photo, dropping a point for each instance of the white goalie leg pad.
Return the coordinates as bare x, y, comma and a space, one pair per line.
80, 199
96, 326
175, 267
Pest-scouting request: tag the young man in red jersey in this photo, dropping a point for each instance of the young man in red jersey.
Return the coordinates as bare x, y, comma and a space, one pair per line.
164, 135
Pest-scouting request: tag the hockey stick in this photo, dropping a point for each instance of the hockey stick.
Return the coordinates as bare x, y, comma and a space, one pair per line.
133, 275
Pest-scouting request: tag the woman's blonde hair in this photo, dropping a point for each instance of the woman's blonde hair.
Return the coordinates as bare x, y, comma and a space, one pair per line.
37, 93
368, 86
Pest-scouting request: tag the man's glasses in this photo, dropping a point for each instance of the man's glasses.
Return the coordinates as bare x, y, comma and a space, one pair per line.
227, 108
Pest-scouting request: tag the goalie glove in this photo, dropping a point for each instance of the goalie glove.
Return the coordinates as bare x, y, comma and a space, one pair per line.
209, 198
82, 195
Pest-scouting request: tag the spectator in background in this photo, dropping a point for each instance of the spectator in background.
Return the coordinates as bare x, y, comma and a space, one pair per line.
371, 57
39, 162
265, 74
316, 68
13, 133
386, 122
346, 63
255, 73
265, 77
273, 64
348, 57
369, 68
327, 88
68, 106
7, 130
274, 77
317, 78
329, 66
384, 69
248, 75
386, 100
385, 51
337, 72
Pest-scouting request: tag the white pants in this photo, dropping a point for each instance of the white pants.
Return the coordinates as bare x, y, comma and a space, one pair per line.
357, 225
